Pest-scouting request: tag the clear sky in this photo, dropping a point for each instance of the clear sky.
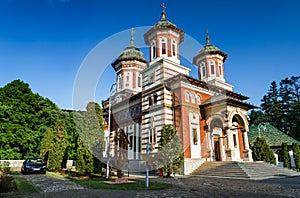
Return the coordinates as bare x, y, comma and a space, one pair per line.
45, 42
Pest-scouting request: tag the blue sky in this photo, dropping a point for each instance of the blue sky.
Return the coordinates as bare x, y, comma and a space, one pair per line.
45, 42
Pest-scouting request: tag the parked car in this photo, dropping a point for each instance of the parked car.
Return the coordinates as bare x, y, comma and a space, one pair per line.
33, 165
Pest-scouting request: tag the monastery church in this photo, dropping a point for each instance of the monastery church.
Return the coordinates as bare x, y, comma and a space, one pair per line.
209, 117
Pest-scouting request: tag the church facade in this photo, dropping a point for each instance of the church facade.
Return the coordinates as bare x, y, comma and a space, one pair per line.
209, 117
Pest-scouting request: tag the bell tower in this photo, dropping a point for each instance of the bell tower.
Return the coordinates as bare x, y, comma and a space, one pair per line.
210, 61
128, 67
164, 39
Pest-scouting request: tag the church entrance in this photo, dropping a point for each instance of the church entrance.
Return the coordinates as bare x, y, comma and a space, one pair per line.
217, 148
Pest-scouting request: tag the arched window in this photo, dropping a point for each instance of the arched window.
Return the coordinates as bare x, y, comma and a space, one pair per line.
120, 81
195, 136
198, 99
139, 81
153, 49
212, 68
174, 48
203, 70
220, 68
127, 80
163, 46
187, 96
193, 98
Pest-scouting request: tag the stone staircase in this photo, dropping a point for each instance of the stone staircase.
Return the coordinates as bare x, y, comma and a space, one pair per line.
243, 170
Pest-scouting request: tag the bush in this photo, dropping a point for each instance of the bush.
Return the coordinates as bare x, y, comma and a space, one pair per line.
7, 184
296, 151
285, 156
262, 151
4, 168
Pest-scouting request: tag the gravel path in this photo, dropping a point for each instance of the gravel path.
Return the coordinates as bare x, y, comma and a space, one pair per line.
182, 187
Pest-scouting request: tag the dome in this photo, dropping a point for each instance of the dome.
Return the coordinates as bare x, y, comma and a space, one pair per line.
211, 49
130, 53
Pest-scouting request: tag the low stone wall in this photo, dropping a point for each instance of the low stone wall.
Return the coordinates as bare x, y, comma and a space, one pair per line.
17, 164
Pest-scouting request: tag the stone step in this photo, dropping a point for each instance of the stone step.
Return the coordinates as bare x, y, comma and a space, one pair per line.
252, 170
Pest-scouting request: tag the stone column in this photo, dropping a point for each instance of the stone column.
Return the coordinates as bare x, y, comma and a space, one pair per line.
245, 139
247, 152
230, 154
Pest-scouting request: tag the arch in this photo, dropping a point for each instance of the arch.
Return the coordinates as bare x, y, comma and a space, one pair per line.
164, 46
215, 117
216, 123
193, 98
174, 48
187, 96
153, 49
198, 99
212, 68
240, 118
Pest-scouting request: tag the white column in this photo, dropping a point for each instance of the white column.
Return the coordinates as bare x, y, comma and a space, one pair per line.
245, 139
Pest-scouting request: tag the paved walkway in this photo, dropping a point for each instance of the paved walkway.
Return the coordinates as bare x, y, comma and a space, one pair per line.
194, 186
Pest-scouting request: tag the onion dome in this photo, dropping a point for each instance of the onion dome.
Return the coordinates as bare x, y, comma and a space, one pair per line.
163, 23
130, 53
211, 49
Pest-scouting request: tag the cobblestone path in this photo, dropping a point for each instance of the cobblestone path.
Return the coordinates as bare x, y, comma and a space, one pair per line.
182, 187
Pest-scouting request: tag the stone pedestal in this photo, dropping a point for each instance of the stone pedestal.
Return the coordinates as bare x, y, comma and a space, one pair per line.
119, 180
230, 154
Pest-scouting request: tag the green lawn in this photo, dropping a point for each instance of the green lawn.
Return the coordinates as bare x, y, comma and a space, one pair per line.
23, 187
100, 183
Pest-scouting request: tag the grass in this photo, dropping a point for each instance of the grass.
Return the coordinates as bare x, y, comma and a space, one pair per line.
23, 187
100, 183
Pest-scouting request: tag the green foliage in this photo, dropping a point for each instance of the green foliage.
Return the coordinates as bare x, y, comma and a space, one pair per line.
91, 141
53, 147
31, 125
296, 151
7, 183
262, 151
281, 106
285, 156
4, 168
85, 160
257, 117
24, 117
170, 152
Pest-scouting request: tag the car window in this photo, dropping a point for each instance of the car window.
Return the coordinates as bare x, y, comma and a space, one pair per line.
35, 161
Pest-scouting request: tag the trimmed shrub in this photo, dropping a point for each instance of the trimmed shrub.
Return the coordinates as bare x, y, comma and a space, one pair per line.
262, 151
296, 151
285, 156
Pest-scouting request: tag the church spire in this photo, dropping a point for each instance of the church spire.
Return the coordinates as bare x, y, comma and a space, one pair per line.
132, 37
207, 38
163, 13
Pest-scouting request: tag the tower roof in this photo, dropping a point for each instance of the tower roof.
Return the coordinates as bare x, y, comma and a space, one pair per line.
163, 23
211, 49
130, 53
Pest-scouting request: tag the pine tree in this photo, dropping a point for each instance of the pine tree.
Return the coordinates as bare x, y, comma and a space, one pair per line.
272, 107
53, 147
262, 151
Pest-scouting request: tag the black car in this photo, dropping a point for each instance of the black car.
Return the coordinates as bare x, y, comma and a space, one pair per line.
33, 165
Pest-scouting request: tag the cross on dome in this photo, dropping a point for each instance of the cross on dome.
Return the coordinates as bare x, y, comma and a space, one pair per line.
132, 37
207, 37
163, 13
